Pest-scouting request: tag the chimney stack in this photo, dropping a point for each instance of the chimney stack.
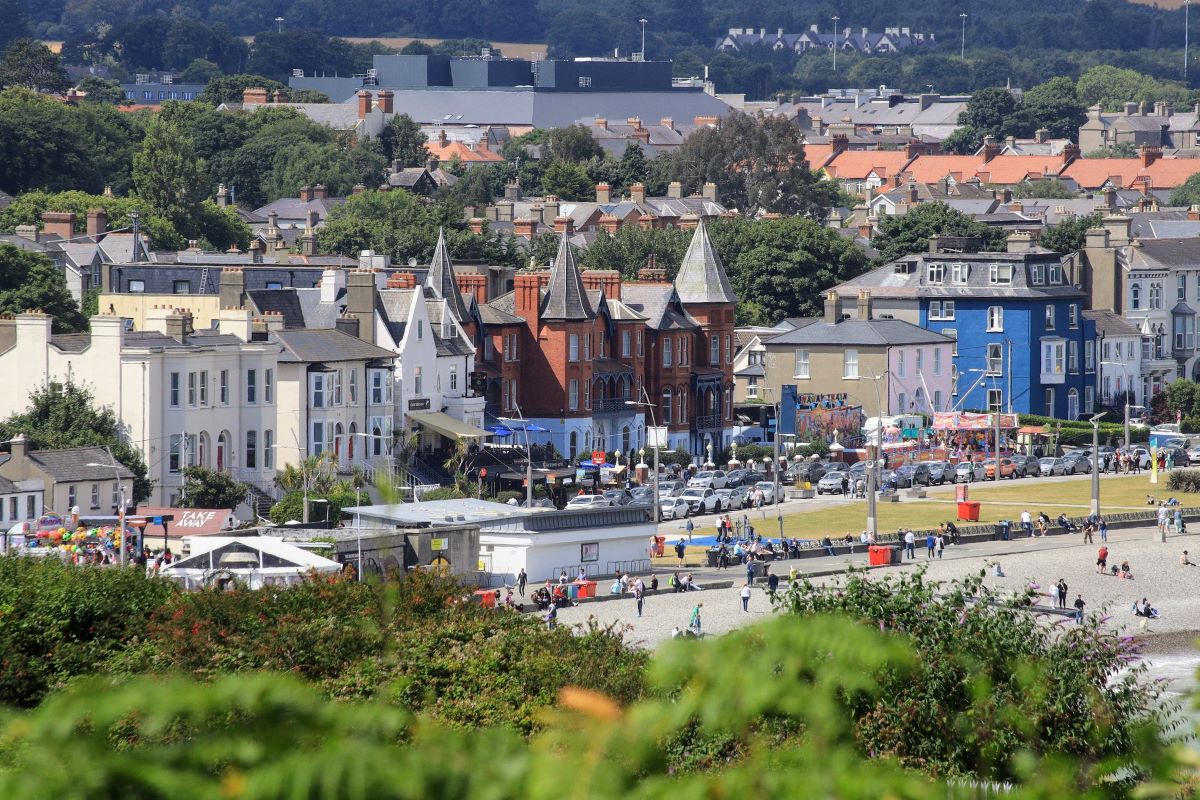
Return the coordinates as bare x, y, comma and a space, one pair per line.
361, 291
832, 314
512, 190
525, 227
255, 96
637, 193
280, 96
991, 148
864, 304
564, 225
476, 225
527, 296
306, 194
675, 189
603, 193
319, 191
387, 101
232, 288
1149, 155
609, 224
709, 191
364, 103
222, 196
60, 223
97, 222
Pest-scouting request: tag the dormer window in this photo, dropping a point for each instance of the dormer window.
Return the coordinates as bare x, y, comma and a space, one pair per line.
1054, 274
1036, 274
1000, 274
936, 273
961, 273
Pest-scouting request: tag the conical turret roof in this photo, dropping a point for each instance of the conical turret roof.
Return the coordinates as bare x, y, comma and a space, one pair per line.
702, 277
441, 279
565, 296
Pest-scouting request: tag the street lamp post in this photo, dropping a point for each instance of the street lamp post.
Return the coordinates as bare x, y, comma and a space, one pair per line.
1096, 464
963, 49
873, 458
835, 22
279, 24
643, 20
654, 427
526, 426
115, 466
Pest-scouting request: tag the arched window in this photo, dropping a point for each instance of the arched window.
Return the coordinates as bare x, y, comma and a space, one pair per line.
574, 444
223, 452
202, 445
339, 435
1072, 404
666, 406
351, 438
625, 443
376, 441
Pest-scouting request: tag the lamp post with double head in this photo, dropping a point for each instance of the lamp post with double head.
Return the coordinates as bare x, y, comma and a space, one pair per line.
655, 432
1096, 463
115, 466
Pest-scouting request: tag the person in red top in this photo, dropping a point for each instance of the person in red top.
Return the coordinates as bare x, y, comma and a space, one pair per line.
1102, 559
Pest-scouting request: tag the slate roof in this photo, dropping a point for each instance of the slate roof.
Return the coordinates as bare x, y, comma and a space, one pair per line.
301, 308
71, 342
492, 314
454, 345
71, 464
891, 281
328, 344
440, 279
394, 307
659, 304
870, 333
1166, 253
1110, 323
293, 208
565, 297
702, 277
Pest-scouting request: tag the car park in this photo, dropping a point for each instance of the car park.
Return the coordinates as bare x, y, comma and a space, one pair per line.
729, 499
969, 471
673, 508
701, 499
831, 482
708, 479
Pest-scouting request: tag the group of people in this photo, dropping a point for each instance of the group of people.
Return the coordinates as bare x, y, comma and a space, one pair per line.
1122, 571
1170, 517
1092, 525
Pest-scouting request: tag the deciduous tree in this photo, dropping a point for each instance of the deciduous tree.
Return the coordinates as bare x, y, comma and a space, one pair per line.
29, 64
31, 282
909, 233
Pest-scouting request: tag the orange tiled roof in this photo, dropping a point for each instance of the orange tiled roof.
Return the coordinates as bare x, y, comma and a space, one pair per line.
850, 165
817, 155
931, 169
1010, 170
445, 152
1093, 173
1167, 173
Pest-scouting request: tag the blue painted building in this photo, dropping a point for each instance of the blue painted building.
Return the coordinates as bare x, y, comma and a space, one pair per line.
1023, 342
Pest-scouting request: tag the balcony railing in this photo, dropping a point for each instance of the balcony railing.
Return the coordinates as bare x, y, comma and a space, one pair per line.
612, 406
707, 422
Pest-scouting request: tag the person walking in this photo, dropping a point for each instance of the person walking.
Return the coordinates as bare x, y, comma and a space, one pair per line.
930, 545
694, 624
522, 580
941, 546
1062, 593
1088, 527
910, 544
750, 571
1102, 559
1079, 604
1103, 530
1162, 518
680, 549
746, 597
639, 595
690, 526
552, 617
772, 583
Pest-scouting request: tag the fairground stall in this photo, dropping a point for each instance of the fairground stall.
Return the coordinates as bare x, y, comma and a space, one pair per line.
966, 435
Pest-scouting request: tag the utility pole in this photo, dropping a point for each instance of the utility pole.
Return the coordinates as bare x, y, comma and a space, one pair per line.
643, 20
1096, 464
1186, 9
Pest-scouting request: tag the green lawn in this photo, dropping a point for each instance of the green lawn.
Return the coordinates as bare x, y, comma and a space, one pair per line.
1005, 501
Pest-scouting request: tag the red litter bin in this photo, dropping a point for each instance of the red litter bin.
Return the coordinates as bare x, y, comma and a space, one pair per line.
968, 511
587, 589
879, 555
487, 597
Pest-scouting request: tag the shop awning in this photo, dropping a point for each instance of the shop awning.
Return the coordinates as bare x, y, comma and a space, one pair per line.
1032, 429
446, 425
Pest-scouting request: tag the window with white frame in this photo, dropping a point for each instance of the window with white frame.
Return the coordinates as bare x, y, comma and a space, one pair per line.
1180, 287
935, 272
920, 359
937, 399
667, 405
1054, 274
174, 444
995, 318
95, 495
960, 273
752, 387
1073, 356
667, 351
1135, 296
319, 389
995, 358
418, 381
251, 386
1049, 318
937, 360
953, 334
353, 385
203, 379
1049, 401
954, 380
1156, 294
728, 348
223, 387
268, 449
316, 445
1106, 350
72, 496
1073, 316
251, 461
573, 347
1000, 274
801, 364
573, 394
995, 400
1053, 357
454, 377
639, 340
1089, 355
714, 351
269, 386
191, 390
900, 364
626, 344
1035, 274
173, 397
1089, 400
850, 364
587, 347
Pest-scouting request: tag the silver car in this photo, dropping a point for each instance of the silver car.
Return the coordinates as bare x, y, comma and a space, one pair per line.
673, 508
671, 488
1049, 465
969, 471
709, 479
768, 491
831, 482
730, 499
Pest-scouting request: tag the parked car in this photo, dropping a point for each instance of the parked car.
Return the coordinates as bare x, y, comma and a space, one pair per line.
641, 496
671, 488
969, 471
768, 491
743, 496
620, 497
810, 471
831, 482
913, 475
708, 479
673, 508
887, 478
729, 499
590, 501
1194, 455
701, 499
1007, 468
1081, 461
1049, 465
1027, 466
940, 471
735, 477
1176, 456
